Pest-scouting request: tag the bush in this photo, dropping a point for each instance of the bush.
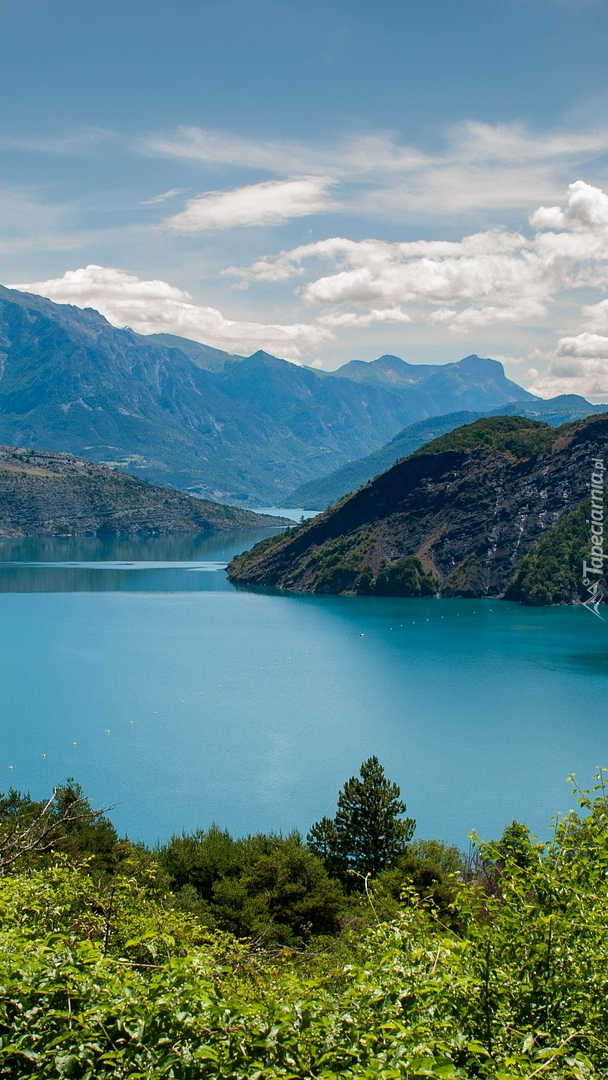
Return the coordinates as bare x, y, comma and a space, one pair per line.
268, 887
404, 577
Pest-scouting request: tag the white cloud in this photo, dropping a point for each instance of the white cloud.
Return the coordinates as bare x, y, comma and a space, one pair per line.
351, 318
164, 195
578, 365
483, 267
587, 376
596, 317
585, 345
224, 148
157, 307
485, 279
270, 203
579, 362
479, 167
359, 155
587, 209
466, 322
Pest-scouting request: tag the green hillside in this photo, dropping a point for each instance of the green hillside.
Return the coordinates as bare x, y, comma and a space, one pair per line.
45, 494
456, 518
514, 435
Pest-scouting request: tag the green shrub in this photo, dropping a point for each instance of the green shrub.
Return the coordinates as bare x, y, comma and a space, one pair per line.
404, 577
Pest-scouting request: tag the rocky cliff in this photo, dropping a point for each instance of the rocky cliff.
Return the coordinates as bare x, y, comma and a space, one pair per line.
454, 519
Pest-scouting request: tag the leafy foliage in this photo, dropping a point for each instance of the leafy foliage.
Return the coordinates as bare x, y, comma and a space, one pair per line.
404, 577
271, 888
103, 979
516, 435
64, 823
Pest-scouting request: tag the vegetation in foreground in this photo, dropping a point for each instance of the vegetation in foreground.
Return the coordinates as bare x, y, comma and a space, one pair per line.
109, 969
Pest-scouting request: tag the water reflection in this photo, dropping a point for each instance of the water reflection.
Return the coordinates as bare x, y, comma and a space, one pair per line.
176, 563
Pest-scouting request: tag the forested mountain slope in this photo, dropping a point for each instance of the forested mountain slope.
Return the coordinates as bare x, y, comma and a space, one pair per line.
454, 519
46, 494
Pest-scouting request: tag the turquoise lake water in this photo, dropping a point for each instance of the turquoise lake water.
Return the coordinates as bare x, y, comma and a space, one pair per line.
136, 668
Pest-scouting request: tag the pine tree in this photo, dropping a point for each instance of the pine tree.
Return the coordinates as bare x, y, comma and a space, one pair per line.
368, 832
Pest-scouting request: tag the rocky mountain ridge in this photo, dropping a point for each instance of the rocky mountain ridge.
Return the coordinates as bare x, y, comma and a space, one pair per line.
226, 427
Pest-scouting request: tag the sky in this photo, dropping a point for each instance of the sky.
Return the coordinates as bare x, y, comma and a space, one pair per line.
326, 180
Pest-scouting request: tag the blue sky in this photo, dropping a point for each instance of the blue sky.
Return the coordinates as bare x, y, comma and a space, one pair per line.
326, 180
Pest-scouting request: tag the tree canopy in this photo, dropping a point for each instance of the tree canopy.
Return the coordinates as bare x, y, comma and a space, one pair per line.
369, 832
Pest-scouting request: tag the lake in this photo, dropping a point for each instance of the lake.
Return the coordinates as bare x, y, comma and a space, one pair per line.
180, 700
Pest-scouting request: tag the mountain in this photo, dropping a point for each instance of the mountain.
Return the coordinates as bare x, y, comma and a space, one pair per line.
180, 413
204, 356
387, 370
456, 518
319, 494
555, 411
46, 494
472, 383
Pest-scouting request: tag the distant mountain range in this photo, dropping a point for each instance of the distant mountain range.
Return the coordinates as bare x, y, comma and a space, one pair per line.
319, 494
495, 508
223, 426
46, 494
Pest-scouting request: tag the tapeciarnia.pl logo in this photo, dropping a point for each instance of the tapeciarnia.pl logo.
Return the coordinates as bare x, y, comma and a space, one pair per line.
594, 584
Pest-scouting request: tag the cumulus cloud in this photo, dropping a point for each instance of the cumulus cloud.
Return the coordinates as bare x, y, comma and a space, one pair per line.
155, 306
578, 244
587, 209
269, 203
585, 376
485, 279
585, 345
578, 365
351, 318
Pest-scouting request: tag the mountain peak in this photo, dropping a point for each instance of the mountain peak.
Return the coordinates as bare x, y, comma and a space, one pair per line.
261, 355
479, 363
388, 362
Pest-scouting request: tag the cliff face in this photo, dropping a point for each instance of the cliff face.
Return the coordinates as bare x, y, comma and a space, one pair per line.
46, 494
450, 521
